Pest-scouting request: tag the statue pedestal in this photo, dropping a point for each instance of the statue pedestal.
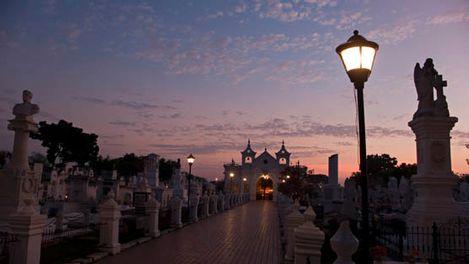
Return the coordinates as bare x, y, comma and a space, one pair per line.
435, 179
17, 181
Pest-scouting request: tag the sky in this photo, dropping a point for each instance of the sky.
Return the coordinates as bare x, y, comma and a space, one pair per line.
179, 77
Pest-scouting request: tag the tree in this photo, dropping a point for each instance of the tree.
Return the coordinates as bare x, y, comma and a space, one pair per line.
37, 157
382, 166
104, 164
166, 169
129, 164
67, 142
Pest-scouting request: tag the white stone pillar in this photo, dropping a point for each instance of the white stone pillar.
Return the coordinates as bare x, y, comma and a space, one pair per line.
176, 208
27, 225
214, 203
206, 205
293, 220
193, 208
221, 202
434, 180
308, 243
109, 215
344, 244
227, 201
152, 210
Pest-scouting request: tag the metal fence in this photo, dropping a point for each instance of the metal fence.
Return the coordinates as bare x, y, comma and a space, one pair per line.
6, 240
437, 244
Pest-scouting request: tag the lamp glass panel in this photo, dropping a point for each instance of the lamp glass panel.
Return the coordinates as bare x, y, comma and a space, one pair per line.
190, 160
368, 55
351, 58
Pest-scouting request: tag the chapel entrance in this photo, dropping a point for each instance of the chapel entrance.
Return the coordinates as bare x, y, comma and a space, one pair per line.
264, 188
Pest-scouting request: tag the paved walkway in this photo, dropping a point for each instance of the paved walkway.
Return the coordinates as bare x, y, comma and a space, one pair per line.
245, 234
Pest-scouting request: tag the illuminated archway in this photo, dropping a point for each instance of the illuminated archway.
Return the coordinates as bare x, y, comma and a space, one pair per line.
264, 188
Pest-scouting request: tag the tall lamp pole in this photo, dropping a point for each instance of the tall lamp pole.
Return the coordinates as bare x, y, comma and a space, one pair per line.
231, 182
190, 160
357, 56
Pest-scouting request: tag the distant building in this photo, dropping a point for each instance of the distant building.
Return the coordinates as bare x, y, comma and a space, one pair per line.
256, 175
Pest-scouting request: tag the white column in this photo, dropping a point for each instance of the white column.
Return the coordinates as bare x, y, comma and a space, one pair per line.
221, 202
109, 214
176, 207
434, 180
227, 201
293, 220
193, 208
27, 225
214, 201
206, 205
344, 244
152, 210
308, 243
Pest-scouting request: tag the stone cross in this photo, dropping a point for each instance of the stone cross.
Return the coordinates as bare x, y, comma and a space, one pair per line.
441, 106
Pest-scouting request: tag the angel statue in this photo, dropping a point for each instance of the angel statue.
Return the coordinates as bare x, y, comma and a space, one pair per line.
424, 79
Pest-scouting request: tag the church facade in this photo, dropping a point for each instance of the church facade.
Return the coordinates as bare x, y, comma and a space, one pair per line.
257, 175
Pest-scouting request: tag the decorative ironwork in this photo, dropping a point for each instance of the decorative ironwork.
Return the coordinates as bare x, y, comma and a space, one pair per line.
439, 244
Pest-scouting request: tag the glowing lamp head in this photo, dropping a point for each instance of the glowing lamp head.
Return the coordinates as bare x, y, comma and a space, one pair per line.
190, 159
244, 179
358, 56
283, 180
288, 176
231, 174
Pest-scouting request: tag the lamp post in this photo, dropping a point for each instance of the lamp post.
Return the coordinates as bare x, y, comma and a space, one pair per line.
190, 160
231, 182
357, 56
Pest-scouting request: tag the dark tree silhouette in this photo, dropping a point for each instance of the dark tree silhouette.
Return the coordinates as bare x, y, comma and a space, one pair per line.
36, 157
129, 164
166, 169
67, 142
382, 166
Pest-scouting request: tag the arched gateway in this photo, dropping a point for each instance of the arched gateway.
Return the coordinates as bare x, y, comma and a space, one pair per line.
256, 175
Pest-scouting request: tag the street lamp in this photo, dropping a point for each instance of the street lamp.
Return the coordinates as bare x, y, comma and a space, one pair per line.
288, 176
358, 56
231, 181
244, 184
190, 160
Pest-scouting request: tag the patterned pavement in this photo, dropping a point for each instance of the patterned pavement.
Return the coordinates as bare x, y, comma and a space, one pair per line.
243, 235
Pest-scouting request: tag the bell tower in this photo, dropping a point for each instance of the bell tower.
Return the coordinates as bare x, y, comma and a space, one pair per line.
283, 156
248, 155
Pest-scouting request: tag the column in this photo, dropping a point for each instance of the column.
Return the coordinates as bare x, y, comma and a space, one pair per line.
109, 215
152, 210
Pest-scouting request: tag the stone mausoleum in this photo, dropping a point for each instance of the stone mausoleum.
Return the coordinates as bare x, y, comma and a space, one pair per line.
257, 175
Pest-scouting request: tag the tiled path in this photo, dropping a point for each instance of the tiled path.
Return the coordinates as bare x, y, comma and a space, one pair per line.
245, 234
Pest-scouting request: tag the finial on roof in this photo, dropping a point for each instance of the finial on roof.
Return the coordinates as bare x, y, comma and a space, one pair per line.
283, 142
265, 148
249, 141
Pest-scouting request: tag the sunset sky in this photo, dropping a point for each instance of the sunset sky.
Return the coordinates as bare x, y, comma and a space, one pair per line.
175, 77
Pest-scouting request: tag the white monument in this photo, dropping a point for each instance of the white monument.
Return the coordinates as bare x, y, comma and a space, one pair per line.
18, 189
432, 125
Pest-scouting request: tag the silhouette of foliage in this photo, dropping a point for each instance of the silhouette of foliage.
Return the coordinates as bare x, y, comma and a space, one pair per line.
129, 164
67, 142
382, 166
166, 169
37, 157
